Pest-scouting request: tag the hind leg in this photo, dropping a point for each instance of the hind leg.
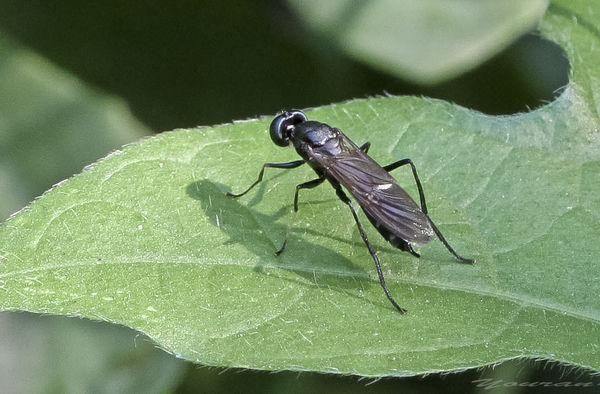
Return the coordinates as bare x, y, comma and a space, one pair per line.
400, 163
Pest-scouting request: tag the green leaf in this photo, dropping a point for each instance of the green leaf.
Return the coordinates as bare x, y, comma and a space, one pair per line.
424, 41
146, 238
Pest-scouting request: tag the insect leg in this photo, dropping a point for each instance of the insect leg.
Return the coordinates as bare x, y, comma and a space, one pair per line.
403, 162
447, 245
365, 147
342, 196
400, 163
306, 185
285, 166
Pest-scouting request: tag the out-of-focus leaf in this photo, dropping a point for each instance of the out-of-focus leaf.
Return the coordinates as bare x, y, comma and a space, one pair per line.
425, 41
51, 125
42, 354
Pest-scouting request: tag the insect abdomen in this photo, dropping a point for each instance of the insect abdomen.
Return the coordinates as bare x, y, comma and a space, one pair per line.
389, 235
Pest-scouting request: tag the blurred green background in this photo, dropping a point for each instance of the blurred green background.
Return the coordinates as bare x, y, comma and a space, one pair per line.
78, 80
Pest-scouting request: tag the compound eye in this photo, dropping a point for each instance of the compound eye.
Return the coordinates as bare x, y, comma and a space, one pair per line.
278, 131
283, 124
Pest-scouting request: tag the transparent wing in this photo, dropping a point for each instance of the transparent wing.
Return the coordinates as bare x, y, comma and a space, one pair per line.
379, 195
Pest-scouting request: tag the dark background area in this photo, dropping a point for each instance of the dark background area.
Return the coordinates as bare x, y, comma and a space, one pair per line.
190, 63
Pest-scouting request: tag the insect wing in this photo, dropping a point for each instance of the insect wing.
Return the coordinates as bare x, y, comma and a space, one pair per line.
379, 194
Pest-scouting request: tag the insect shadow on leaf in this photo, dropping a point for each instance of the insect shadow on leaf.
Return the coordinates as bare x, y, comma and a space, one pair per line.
244, 226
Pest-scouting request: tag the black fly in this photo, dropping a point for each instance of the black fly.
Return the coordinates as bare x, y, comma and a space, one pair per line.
335, 158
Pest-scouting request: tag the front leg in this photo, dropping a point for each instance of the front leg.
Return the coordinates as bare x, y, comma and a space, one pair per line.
284, 166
